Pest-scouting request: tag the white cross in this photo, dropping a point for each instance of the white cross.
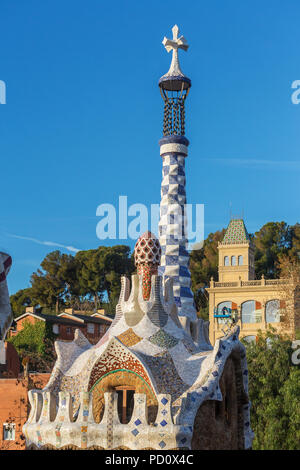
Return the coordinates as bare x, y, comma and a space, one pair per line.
173, 45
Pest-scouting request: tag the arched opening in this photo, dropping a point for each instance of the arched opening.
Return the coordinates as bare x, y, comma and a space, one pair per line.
226, 260
125, 383
233, 261
240, 260
224, 308
125, 402
251, 312
273, 311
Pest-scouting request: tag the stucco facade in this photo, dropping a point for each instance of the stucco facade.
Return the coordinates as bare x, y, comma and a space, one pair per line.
255, 303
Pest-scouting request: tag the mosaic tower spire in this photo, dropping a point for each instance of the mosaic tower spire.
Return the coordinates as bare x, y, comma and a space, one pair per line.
174, 87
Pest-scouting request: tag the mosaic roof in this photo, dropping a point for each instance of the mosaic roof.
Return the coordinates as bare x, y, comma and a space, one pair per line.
144, 340
236, 233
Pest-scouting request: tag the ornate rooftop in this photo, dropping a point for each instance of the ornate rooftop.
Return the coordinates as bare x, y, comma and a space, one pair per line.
236, 233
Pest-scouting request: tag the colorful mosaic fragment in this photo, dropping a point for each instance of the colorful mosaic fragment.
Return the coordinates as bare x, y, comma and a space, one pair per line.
163, 339
129, 338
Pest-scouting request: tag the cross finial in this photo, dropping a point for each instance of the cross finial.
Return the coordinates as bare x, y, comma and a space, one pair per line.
173, 45
176, 42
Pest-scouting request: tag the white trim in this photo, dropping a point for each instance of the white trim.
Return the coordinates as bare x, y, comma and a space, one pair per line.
73, 317
101, 317
173, 148
35, 315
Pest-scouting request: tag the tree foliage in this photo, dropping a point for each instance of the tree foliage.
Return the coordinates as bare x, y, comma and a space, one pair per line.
99, 271
74, 281
51, 283
20, 300
35, 342
274, 389
271, 242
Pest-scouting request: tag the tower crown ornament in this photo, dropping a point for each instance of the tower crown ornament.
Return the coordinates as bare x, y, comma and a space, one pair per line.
174, 79
174, 87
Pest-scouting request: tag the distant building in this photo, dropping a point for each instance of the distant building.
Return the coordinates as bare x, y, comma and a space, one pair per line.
14, 406
64, 325
256, 303
11, 367
14, 386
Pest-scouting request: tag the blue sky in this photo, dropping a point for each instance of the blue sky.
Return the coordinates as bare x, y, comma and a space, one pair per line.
84, 115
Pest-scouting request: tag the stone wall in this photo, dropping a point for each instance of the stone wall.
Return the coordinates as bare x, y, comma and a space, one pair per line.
219, 425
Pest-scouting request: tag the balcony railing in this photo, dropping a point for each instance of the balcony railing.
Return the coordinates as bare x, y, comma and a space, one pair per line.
254, 283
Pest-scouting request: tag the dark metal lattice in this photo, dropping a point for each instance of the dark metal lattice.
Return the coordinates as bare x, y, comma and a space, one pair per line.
174, 116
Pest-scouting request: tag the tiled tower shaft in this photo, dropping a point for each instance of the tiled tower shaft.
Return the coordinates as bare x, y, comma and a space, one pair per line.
173, 227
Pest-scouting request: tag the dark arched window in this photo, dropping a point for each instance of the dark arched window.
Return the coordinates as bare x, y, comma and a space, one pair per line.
125, 403
233, 261
240, 260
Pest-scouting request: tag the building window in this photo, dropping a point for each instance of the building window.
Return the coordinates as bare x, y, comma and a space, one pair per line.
240, 260
251, 312
90, 328
224, 308
69, 330
226, 260
273, 311
55, 329
233, 261
9, 431
125, 403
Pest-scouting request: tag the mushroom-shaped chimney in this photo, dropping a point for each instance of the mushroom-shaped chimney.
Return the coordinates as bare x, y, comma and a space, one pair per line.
147, 253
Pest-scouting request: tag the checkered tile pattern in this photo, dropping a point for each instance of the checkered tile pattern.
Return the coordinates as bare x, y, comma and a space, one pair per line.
172, 232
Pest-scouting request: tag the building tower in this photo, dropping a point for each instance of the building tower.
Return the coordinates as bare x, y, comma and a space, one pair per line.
236, 254
174, 87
